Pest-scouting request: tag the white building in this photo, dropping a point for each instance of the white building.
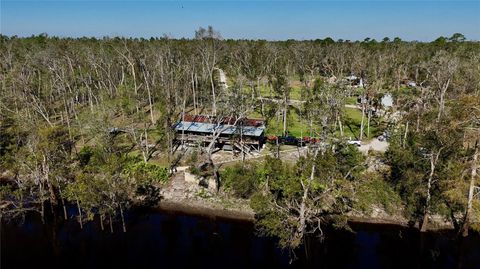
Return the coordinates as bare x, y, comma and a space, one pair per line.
387, 101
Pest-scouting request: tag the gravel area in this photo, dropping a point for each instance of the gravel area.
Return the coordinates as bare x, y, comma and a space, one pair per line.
375, 145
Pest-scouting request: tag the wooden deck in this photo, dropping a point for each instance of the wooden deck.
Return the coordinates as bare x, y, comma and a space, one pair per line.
246, 144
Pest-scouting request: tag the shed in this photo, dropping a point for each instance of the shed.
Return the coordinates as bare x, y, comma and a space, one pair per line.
387, 100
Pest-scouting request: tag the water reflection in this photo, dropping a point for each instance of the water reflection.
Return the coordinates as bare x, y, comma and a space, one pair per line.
168, 240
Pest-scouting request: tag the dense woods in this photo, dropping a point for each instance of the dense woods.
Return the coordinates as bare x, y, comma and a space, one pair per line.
87, 123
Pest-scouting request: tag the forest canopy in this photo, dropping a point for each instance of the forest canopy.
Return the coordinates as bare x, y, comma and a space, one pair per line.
88, 122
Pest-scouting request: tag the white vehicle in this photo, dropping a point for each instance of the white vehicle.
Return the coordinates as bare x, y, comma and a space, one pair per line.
355, 142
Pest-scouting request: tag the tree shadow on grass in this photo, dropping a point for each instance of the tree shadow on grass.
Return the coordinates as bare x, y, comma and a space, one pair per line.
349, 122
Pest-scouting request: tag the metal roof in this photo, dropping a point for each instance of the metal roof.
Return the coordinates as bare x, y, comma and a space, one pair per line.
201, 127
224, 120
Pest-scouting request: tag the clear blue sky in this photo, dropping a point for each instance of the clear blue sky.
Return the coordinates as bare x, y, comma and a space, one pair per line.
422, 20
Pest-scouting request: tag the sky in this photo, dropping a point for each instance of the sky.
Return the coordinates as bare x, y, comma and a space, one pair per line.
422, 20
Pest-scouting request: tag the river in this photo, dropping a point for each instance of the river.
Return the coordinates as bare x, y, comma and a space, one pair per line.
173, 240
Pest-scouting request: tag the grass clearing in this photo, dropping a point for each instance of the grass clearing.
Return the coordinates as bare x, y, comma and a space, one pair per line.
351, 100
295, 126
268, 92
353, 120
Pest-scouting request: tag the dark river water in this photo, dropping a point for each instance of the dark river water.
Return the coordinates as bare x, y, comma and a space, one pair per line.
172, 240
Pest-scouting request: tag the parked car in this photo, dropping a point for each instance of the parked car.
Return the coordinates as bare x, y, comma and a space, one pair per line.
358, 143
289, 140
308, 139
272, 139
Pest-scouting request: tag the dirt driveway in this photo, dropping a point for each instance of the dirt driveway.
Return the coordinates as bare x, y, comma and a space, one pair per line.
375, 145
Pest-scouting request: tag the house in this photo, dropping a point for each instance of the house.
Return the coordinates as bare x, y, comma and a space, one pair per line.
355, 81
244, 134
387, 101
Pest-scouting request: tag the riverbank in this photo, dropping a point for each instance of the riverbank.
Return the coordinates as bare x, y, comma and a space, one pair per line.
210, 210
184, 195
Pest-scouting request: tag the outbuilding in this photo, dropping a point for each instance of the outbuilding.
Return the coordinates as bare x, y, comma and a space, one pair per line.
244, 134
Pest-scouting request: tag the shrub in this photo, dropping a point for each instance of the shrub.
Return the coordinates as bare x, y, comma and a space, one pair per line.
147, 173
241, 180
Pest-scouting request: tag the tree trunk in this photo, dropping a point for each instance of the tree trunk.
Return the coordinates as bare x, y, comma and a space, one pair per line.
368, 123
405, 135
146, 154
123, 219
214, 104
443, 91
194, 95
150, 102
42, 212
199, 99
362, 123
433, 163
285, 108
278, 149
62, 199
217, 177
468, 213
134, 77
42, 202
63, 204
46, 172
340, 126
64, 209
111, 223
80, 217
306, 187
101, 222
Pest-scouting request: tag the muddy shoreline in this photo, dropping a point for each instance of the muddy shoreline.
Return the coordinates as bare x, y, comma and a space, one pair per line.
200, 209
184, 195
205, 209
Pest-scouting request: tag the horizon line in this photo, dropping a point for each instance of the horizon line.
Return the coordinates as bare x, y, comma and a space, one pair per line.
169, 36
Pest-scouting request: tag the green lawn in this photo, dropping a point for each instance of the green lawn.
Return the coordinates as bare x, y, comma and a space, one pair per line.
351, 100
352, 122
267, 92
295, 126
354, 114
